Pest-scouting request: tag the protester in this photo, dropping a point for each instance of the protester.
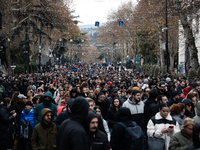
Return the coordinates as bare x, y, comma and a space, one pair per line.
44, 135
47, 103
162, 125
183, 138
26, 126
71, 134
195, 138
96, 139
189, 108
6, 124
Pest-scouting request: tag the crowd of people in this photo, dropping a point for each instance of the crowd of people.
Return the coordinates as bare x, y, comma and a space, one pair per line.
98, 108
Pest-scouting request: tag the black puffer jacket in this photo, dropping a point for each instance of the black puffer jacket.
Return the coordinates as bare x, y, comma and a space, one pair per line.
195, 138
111, 117
71, 134
6, 126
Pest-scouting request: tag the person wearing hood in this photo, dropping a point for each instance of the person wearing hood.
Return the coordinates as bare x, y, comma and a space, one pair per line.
47, 103
189, 108
151, 106
45, 133
23, 87
181, 86
185, 92
118, 133
65, 114
73, 93
97, 140
195, 138
197, 117
71, 134
183, 138
14, 87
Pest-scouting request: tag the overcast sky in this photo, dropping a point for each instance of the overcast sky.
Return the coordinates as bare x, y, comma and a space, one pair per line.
95, 10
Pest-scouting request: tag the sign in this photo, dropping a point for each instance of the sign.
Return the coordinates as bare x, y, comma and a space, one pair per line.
74, 69
121, 23
57, 59
136, 60
97, 24
13, 67
127, 58
144, 21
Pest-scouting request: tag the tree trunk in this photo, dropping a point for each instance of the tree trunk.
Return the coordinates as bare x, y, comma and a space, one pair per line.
171, 63
190, 40
187, 57
8, 57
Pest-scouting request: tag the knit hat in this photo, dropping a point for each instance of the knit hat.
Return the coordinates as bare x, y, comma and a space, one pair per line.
135, 88
28, 103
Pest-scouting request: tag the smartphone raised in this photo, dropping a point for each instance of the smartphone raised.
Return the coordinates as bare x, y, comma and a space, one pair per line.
171, 127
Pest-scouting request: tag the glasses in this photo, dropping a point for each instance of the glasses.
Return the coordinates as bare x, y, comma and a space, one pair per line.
163, 87
147, 91
48, 116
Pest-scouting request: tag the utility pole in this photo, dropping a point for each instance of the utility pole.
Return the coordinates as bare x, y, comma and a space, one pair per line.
167, 52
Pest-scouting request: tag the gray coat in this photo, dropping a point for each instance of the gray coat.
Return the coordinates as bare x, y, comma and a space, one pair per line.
197, 117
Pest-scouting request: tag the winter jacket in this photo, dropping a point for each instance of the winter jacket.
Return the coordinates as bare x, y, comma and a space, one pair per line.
111, 117
105, 125
195, 138
157, 123
197, 117
179, 141
96, 140
137, 111
18, 107
7, 94
118, 133
104, 105
179, 118
71, 134
6, 120
150, 110
171, 101
27, 116
39, 107
185, 91
179, 89
44, 136
191, 113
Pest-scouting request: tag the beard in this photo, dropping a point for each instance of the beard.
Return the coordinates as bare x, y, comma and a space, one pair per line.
162, 90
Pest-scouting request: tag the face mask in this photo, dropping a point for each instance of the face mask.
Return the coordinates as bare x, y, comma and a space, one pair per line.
46, 102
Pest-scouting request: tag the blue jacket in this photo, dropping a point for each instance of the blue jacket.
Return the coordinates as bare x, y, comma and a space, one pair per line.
29, 116
39, 107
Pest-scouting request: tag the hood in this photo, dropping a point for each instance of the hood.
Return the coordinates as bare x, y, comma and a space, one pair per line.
90, 116
186, 90
195, 135
44, 111
79, 109
48, 93
186, 101
150, 101
123, 114
198, 108
59, 109
73, 91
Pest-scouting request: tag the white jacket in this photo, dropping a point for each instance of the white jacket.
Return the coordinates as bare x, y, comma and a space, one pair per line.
157, 123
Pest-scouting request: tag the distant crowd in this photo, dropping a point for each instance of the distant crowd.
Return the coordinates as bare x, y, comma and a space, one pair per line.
98, 107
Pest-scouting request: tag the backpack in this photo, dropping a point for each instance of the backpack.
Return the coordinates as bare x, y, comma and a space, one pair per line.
133, 136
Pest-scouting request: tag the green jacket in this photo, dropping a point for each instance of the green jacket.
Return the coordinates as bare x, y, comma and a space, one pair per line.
40, 106
179, 141
44, 138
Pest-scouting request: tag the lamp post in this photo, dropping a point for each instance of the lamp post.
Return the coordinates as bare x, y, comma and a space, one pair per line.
167, 52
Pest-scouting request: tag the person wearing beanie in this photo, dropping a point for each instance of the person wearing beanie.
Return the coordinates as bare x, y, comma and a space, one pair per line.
26, 124
71, 134
174, 99
96, 139
47, 103
44, 135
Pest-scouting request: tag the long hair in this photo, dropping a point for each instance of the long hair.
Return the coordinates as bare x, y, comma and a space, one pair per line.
14, 97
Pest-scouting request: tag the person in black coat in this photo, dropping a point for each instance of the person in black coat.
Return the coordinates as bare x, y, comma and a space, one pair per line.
23, 87
195, 138
151, 106
118, 133
97, 140
6, 124
64, 115
111, 116
71, 134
